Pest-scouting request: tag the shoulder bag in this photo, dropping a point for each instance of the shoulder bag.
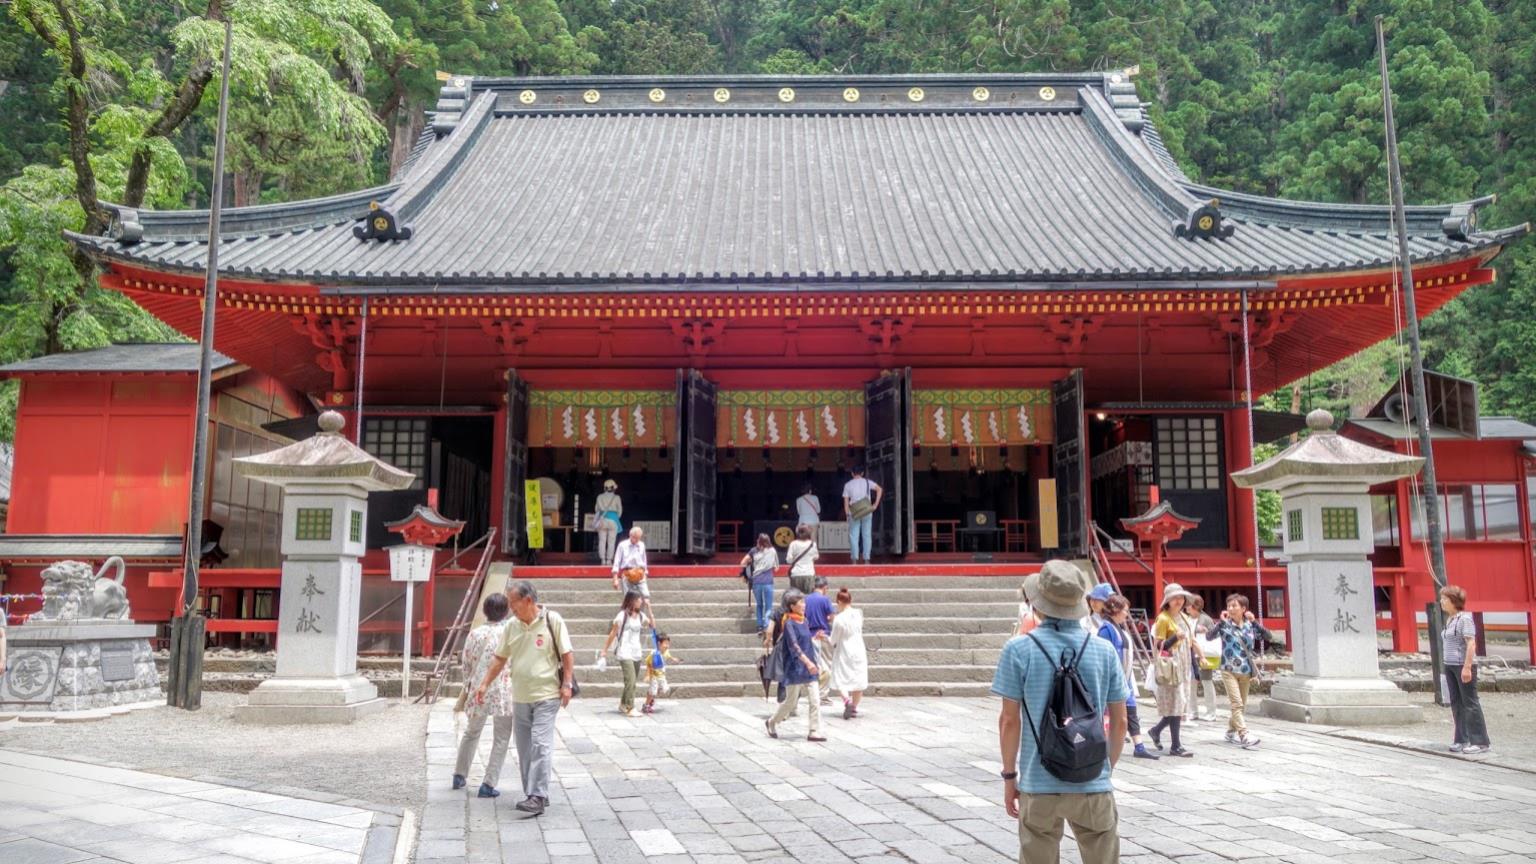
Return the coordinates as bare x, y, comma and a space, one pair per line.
554, 645
863, 506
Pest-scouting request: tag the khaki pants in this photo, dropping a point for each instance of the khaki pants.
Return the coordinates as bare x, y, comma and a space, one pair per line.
502, 730
792, 694
1094, 820
1237, 698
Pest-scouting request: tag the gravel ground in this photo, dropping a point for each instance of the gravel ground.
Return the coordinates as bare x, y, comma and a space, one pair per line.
380, 759
1509, 717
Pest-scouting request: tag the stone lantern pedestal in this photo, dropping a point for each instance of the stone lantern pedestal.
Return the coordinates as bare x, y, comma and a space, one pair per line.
1324, 483
325, 481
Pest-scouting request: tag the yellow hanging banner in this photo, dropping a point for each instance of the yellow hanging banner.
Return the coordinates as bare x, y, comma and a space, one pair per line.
533, 505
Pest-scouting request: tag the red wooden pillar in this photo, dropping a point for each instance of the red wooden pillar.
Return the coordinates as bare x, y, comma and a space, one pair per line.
1405, 625
1241, 456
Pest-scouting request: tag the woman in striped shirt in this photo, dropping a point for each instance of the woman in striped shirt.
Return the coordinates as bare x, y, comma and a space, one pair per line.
1458, 648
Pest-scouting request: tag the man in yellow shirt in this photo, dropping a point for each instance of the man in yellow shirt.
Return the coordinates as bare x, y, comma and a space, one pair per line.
536, 647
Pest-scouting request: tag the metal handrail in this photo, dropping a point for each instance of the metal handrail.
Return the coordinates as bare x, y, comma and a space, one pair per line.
1135, 558
452, 645
446, 565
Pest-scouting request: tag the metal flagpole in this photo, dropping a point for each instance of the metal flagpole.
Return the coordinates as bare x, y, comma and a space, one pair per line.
1431, 495
188, 629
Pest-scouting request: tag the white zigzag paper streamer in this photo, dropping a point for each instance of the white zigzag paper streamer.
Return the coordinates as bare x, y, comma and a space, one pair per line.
773, 428
827, 422
749, 423
617, 422
992, 426
940, 431
568, 421
1024, 430
589, 421
965, 428
802, 427
639, 424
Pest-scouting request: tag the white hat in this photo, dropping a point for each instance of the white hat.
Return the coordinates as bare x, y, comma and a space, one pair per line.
610, 484
1172, 590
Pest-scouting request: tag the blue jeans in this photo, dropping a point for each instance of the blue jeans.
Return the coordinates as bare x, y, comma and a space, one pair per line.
861, 527
762, 601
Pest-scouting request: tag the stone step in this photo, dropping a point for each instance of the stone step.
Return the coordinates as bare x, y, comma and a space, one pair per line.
877, 656
688, 674
663, 592
743, 623
603, 691
854, 583
992, 641
669, 609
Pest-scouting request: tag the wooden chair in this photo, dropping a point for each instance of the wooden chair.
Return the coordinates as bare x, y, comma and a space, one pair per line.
728, 535
1015, 535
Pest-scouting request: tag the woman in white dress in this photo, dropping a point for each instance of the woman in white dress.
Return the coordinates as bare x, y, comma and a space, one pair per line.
850, 662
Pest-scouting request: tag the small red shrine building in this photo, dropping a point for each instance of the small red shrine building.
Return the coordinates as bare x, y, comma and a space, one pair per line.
997, 291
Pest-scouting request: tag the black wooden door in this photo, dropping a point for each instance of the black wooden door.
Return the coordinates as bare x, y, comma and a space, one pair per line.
693, 471
516, 465
1067, 465
888, 460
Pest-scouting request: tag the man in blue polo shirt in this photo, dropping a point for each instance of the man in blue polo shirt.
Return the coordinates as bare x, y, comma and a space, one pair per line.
1024, 676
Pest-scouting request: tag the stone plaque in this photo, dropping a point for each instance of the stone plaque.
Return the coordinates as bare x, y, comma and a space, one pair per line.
31, 675
117, 663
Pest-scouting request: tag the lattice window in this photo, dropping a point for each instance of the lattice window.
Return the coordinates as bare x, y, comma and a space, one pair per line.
356, 532
1189, 453
1341, 523
312, 523
400, 441
1293, 526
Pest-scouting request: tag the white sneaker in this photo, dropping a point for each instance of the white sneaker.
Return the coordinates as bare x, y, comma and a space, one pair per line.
1472, 749
1248, 743
1458, 747
1231, 737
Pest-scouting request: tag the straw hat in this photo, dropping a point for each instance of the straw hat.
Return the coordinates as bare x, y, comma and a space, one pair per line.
1172, 590
1058, 590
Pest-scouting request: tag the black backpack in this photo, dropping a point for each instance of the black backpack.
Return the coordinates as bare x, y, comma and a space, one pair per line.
1071, 738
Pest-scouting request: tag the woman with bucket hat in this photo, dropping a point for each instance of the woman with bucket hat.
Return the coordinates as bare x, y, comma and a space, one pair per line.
1173, 637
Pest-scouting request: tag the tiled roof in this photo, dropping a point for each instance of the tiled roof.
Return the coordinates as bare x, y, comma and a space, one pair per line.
615, 182
128, 357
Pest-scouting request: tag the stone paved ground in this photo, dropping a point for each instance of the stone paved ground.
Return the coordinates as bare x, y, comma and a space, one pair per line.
913, 781
378, 758
57, 811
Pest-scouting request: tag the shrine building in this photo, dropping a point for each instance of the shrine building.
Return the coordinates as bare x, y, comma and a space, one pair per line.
998, 292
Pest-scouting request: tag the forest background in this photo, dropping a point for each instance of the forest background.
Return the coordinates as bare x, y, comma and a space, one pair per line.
114, 100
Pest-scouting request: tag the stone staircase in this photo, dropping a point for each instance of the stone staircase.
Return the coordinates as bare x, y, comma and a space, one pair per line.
926, 636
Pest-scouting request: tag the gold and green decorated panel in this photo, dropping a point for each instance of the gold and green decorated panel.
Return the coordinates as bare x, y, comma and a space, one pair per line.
982, 417
790, 418
601, 418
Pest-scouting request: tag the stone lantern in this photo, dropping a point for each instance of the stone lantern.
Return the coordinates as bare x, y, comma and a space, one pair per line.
1324, 482
325, 481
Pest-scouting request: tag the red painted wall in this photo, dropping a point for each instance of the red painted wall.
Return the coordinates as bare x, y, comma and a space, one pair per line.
99, 455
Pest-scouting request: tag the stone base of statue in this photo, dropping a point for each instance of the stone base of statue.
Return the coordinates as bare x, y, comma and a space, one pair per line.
79, 668
284, 701
1341, 702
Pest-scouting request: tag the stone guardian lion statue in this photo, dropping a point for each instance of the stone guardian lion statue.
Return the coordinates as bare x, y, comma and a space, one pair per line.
72, 592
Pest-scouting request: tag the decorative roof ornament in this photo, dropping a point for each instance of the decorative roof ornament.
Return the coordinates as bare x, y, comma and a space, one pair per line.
380, 224
125, 227
1462, 222
1205, 223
